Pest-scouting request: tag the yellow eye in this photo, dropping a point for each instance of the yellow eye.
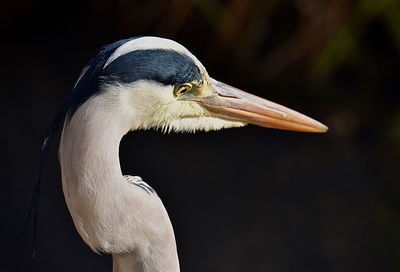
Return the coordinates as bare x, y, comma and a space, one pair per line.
182, 89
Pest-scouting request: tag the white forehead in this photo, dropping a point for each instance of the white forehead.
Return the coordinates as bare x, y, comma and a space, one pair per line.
149, 42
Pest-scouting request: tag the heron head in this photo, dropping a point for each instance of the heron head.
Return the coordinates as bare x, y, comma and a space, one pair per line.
166, 87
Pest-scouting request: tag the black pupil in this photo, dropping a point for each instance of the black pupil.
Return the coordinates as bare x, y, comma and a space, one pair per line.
183, 89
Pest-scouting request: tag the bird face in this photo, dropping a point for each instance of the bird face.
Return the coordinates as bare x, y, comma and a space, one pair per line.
226, 102
210, 105
173, 108
166, 87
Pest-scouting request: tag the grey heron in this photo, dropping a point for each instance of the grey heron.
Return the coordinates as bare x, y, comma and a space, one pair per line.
133, 84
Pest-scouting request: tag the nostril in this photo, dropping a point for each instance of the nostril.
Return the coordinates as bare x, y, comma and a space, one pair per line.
228, 96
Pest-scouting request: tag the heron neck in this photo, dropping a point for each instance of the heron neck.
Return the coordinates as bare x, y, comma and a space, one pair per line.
89, 147
92, 179
106, 209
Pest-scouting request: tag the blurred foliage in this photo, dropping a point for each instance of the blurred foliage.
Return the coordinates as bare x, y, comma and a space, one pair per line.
347, 38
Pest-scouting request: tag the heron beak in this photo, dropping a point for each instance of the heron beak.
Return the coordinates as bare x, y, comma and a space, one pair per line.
231, 103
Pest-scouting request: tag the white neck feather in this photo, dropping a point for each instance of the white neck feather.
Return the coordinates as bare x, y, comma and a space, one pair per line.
110, 214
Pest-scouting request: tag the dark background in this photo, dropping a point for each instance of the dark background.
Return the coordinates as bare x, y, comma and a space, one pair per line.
248, 199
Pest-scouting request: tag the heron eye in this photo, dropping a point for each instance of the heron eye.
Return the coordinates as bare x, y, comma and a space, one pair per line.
182, 89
